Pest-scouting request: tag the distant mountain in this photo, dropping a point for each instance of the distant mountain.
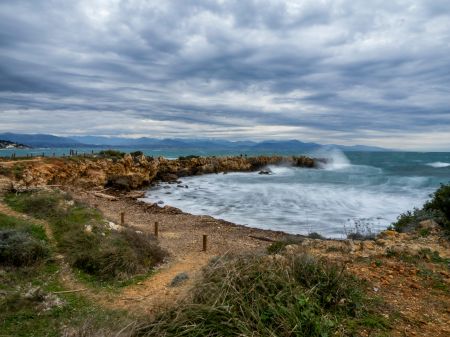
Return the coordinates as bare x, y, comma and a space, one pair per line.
39, 140
267, 146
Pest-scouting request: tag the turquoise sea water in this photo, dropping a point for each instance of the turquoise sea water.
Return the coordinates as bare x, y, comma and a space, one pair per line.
368, 189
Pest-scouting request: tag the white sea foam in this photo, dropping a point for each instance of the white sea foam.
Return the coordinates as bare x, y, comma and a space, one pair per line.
336, 159
438, 164
299, 200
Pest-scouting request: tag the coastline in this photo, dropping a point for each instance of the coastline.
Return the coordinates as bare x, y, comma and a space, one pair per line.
392, 263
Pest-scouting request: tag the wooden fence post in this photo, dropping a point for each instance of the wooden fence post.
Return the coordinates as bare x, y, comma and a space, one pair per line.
205, 242
122, 218
156, 228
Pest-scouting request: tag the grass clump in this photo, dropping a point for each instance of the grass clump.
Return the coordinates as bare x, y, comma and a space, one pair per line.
87, 241
263, 296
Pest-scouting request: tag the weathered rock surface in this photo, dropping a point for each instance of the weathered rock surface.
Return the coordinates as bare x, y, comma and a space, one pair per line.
130, 173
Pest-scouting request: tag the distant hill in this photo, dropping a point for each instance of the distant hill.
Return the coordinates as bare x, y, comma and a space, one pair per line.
39, 140
217, 144
268, 146
6, 144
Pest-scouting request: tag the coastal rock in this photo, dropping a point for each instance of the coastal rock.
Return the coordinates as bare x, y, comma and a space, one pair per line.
132, 172
266, 171
179, 279
429, 224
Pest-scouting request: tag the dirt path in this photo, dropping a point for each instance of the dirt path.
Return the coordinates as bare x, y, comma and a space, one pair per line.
180, 234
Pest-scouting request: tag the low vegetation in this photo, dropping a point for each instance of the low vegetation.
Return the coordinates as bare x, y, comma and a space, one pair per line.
436, 209
31, 302
111, 154
87, 241
21, 243
268, 296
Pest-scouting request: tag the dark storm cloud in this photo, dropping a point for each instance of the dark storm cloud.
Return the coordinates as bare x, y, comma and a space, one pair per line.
332, 71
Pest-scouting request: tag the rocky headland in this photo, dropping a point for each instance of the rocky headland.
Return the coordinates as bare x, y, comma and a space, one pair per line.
129, 172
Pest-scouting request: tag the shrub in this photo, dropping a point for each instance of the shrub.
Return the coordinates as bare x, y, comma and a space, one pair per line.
362, 230
408, 221
440, 202
113, 154
18, 248
437, 209
261, 296
136, 153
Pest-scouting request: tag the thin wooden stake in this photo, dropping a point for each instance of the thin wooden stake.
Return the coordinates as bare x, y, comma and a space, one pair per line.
156, 228
69, 291
122, 218
205, 242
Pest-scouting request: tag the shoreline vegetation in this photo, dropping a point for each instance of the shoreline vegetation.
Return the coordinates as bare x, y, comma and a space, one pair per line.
71, 265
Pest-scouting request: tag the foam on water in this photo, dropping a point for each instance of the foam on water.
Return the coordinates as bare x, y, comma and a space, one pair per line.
438, 164
299, 200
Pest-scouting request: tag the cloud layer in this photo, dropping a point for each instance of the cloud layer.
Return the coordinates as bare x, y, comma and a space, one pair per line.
341, 71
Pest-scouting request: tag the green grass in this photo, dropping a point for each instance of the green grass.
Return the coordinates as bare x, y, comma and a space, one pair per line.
9, 222
88, 244
263, 296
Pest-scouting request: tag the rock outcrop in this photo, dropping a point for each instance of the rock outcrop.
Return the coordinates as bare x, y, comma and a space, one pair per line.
130, 172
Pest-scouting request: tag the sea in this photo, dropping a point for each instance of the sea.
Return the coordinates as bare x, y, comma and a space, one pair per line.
354, 191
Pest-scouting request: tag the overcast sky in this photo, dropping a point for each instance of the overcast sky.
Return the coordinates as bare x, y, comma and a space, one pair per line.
338, 71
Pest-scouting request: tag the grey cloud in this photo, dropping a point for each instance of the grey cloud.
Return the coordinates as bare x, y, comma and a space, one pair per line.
230, 68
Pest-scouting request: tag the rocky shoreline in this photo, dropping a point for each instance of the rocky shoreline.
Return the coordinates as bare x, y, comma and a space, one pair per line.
131, 172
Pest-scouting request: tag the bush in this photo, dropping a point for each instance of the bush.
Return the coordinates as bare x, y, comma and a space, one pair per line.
136, 154
263, 296
113, 154
18, 248
362, 230
121, 255
440, 202
408, 221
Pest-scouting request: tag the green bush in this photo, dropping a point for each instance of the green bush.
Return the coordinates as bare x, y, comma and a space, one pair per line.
18, 248
440, 202
136, 153
113, 154
263, 296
